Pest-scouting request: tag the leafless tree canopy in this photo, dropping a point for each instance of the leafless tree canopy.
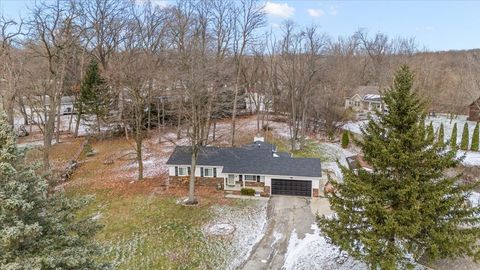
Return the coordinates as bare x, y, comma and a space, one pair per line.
191, 63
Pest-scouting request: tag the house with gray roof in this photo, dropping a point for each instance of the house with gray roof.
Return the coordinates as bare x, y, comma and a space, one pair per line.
257, 165
365, 99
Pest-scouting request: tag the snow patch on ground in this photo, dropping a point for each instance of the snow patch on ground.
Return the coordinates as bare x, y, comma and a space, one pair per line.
474, 199
471, 158
314, 252
220, 229
355, 127
249, 220
281, 129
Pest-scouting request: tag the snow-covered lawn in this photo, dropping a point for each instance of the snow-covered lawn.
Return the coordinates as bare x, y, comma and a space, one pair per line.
471, 158
248, 219
314, 252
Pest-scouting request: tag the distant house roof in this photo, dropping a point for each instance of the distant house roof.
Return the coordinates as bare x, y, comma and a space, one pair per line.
366, 90
356, 162
65, 100
372, 97
249, 160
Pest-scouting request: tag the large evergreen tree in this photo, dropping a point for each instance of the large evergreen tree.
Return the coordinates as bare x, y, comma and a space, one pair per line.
407, 207
38, 229
94, 98
465, 137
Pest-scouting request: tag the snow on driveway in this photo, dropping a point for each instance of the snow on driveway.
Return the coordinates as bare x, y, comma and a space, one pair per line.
314, 252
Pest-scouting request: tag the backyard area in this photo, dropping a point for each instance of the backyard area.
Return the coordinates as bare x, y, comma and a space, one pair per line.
145, 226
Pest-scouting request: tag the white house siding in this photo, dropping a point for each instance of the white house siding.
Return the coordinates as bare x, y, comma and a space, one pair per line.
317, 182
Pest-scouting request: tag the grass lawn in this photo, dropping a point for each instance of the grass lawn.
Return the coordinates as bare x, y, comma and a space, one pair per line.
311, 149
144, 227
150, 232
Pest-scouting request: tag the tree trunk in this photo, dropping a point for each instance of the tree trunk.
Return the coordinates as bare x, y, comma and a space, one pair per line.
179, 129
191, 185
158, 123
98, 125
23, 110
234, 115
214, 129
59, 109
71, 119
139, 141
78, 119
48, 136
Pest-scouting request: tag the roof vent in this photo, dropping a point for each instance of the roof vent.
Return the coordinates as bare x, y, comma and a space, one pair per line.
258, 139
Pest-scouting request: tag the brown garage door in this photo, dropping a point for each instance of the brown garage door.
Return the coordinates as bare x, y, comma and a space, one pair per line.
291, 187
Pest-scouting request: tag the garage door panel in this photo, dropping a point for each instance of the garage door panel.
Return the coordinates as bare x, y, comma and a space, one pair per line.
291, 187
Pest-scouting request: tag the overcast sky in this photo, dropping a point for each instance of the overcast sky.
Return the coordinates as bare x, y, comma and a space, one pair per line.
437, 25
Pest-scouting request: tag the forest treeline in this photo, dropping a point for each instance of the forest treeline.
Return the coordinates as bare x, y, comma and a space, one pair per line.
139, 66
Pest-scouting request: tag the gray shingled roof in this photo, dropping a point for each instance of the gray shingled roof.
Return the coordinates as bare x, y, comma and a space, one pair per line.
248, 160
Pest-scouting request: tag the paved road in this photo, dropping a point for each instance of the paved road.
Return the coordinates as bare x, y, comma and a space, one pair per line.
285, 213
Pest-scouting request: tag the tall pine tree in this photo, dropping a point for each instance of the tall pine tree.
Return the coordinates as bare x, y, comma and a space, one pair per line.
453, 137
345, 139
94, 98
465, 137
441, 135
475, 138
38, 229
407, 207
430, 133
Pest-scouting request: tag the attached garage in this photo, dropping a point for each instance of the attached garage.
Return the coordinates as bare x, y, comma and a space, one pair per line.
292, 187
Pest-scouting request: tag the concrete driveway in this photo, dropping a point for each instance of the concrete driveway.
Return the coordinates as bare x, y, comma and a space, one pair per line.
285, 214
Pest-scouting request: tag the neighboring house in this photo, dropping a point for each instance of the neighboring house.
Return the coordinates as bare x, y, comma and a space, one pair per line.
66, 104
254, 100
257, 165
357, 162
365, 99
474, 111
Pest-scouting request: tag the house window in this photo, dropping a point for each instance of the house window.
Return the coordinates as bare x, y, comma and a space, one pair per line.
182, 171
208, 172
231, 180
249, 177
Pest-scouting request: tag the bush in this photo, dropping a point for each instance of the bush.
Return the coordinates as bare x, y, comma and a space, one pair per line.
441, 135
247, 191
453, 138
464, 142
475, 138
88, 150
345, 139
430, 133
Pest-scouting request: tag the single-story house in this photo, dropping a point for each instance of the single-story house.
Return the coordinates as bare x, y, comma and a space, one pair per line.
66, 104
365, 99
257, 165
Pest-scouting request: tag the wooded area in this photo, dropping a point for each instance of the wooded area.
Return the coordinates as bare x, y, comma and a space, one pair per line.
192, 63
